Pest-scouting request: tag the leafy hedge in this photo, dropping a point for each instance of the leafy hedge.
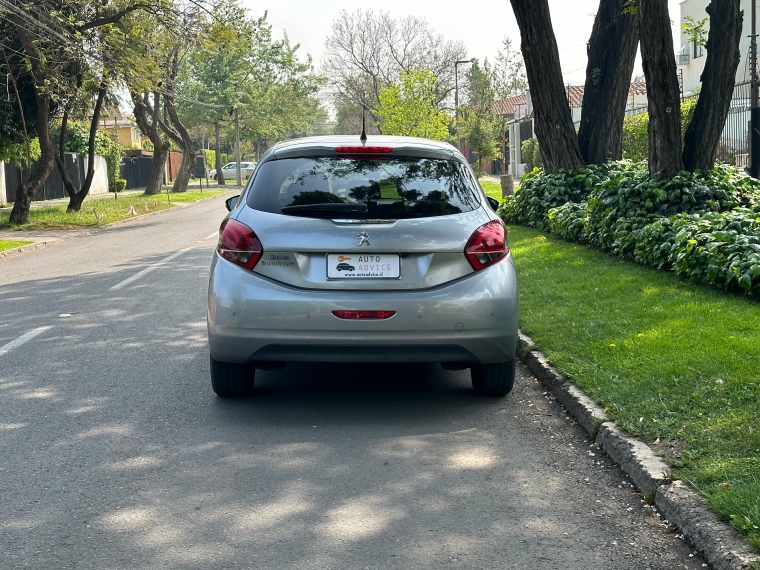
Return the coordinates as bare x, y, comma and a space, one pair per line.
77, 140
636, 131
702, 226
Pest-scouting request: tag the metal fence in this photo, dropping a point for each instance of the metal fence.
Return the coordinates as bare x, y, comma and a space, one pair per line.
53, 186
734, 142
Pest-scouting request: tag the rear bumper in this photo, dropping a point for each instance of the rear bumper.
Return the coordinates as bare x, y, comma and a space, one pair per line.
252, 318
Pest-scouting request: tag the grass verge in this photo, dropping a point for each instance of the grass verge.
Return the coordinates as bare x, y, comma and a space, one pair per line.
673, 362
6, 244
493, 189
101, 211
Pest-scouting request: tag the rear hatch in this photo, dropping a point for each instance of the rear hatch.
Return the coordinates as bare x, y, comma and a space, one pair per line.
359, 220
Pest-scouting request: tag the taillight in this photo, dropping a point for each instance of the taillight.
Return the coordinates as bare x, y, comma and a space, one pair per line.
239, 244
487, 245
364, 314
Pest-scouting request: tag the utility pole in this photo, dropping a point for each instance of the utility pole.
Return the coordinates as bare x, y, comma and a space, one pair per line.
754, 129
238, 172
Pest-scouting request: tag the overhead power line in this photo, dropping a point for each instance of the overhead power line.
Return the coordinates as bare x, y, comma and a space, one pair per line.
23, 15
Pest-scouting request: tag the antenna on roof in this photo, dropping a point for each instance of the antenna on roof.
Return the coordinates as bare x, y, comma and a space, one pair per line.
363, 138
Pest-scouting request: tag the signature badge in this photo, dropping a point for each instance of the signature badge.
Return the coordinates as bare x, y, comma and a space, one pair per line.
363, 238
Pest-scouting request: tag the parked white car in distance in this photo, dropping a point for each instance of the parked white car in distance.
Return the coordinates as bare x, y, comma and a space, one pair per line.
246, 169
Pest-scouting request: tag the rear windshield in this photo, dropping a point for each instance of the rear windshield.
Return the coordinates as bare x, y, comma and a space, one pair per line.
392, 188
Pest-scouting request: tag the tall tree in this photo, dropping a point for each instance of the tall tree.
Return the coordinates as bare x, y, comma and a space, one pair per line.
663, 91
554, 123
508, 80
53, 44
706, 126
367, 51
611, 58
480, 125
410, 108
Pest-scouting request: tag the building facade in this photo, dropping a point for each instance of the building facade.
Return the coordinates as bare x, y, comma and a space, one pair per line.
691, 57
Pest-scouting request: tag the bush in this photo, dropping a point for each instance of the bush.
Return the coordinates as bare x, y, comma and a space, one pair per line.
77, 140
531, 155
121, 184
636, 131
540, 192
704, 227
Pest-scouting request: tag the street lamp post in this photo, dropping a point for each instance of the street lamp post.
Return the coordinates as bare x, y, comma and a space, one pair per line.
456, 98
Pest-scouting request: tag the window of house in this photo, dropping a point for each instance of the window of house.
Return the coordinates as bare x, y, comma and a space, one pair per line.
135, 134
699, 50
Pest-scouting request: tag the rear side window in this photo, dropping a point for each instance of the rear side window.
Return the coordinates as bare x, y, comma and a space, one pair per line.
388, 188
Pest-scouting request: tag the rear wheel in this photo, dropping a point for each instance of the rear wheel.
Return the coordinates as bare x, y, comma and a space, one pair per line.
231, 380
493, 379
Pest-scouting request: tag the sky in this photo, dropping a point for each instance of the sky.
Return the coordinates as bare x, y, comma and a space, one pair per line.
309, 22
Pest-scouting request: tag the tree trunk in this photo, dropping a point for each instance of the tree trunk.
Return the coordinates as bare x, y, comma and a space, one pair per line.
218, 155
706, 126
60, 156
611, 57
178, 133
160, 146
663, 92
75, 200
554, 122
25, 193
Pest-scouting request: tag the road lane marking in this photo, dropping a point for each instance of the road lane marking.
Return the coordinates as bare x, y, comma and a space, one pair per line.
215, 234
24, 338
148, 269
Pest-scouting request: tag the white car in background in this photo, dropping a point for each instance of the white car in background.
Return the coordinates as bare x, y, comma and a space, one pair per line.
229, 170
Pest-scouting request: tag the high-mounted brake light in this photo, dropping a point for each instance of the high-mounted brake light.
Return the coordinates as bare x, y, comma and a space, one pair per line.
364, 314
363, 149
487, 245
239, 244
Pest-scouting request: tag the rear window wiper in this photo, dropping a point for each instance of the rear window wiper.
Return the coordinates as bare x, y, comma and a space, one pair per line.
326, 210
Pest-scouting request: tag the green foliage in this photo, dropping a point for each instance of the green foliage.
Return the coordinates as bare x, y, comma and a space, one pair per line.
695, 30
702, 226
410, 108
636, 134
77, 140
237, 63
16, 153
539, 193
479, 124
531, 154
121, 185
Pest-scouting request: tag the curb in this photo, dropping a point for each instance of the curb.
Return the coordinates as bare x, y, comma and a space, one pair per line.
718, 543
15, 252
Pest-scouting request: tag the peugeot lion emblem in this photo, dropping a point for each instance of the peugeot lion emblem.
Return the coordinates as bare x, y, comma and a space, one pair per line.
363, 238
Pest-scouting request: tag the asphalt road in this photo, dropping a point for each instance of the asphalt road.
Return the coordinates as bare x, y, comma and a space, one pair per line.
116, 454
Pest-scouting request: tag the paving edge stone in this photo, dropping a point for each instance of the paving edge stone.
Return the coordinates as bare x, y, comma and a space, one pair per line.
16, 251
8, 253
717, 542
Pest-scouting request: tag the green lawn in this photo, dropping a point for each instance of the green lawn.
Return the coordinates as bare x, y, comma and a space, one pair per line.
675, 363
493, 189
6, 244
107, 209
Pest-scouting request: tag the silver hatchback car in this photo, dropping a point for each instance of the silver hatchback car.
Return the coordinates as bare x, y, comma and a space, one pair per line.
349, 250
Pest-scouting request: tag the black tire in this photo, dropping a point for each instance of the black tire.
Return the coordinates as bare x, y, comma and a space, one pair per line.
493, 379
231, 380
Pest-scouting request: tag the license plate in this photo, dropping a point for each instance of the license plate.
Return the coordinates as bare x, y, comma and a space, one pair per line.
363, 266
